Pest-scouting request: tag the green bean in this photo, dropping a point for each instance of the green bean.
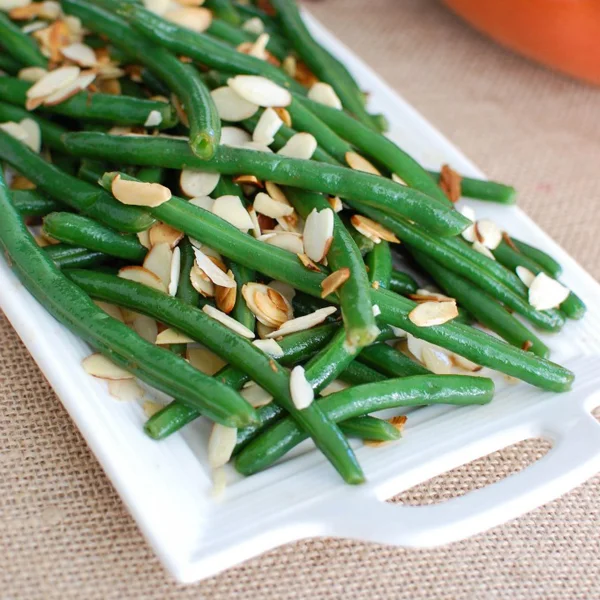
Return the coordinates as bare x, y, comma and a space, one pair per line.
354, 294
122, 110
378, 147
51, 132
241, 313
226, 187
235, 349
281, 265
357, 373
31, 204
151, 174
83, 197
91, 170
203, 48
183, 79
296, 348
390, 361
303, 304
320, 62
542, 258
72, 257
482, 189
485, 309
370, 428
9, 65
71, 306
369, 190
445, 254
225, 10
379, 264
402, 283
418, 390
77, 230
185, 290
19, 45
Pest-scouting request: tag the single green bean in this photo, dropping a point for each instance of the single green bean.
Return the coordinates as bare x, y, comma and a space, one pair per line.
402, 283
186, 292
225, 10
91, 170
226, 187
482, 189
390, 361
9, 65
77, 230
357, 373
551, 266
72, 257
419, 390
241, 313
31, 204
19, 45
370, 428
379, 265
151, 174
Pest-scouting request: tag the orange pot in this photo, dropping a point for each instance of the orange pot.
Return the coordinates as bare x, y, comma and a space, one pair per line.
563, 34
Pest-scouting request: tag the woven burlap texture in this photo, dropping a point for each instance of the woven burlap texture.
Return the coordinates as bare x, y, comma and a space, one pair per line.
64, 533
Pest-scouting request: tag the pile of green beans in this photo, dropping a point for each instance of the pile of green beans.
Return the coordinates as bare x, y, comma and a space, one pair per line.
351, 359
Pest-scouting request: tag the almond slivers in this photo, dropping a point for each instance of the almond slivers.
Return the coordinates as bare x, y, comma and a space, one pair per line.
52, 82
137, 193
214, 273
161, 232
525, 275
318, 233
221, 444
358, 163
488, 233
266, 128
225, 296
324, 94
334, 281
428, 314
103, 368
372, 230
300, 388
546, 293
231, 209
231, 106
264, 204
197, 183
269, 306
191, 17
143, 276
227, 321
300, 145
171, 336
302, 323
260, 90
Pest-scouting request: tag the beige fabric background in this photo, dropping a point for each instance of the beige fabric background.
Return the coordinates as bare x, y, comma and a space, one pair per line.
64, 532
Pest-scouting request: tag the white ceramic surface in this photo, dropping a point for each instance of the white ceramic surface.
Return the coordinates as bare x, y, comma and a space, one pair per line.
167, 486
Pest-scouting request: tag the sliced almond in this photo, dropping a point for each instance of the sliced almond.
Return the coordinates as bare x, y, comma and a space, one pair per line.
53, 81
263, 330
284, 115
437, 362
158, 7
247, 180
286, 240
300, 145
323, 93
154, 119
99, 366
546, 293
308, 263
144, 238
464, 363
205, 360
488, 233
266, 128
256, 229
450, 183
468, 233
201, 283
110, 86
8, 5
225, 296
33, 137
191, 17
285, 289
174, 272
67, 91
31, 74
358, 163
231, 106
302, 323
289, 65
428, 314
221, 444
32, 27
151, 408
15, 130
525, 275
260, 90
257, 147
231, 209
398, 179
80, 53
422, 295
264, 204
198, 183
214, 273
270, 347
126, 390
479, 247
373, 230
21, 183
228, 321
158, 261
137, 193
205, 202
300, 388
335, 203
163, 233
253, 393
171, 336
268, 305
110, 309
234, 137
337, 385
145, 327
376, 310
334, 281
143, 276
318, 233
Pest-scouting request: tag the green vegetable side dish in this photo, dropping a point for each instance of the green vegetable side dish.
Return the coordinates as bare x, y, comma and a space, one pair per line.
291, 293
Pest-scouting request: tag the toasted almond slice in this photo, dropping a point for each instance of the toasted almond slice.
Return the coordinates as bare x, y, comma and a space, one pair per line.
143, 276
450, 183
253, 393
137, 193
204, 360
468, 233
266, 128
201, 283
254, 25
80, 53
50, 10
422, 295
308, 263
67, 91
158, 7
126, 390
260, 90
231, 106
145, 327
546, 293
234, 137
214, 273
525, 275
154, 119
290, 65
488, 233
226, 296
334, 281
266, 205
53, 81
324, 94
285, 289
258, 48
300, 145
337, 385
270, 347
358, 163
437, 362
257, 147
15, 130
284, 115
464, 363
8, 5
110, 309
158, 261
335, 203
144, 238
150, 408
109, 86
31, 74
23, 13
205, 202
428, 314
228, 321
190, 2
163, 233
219, 483
318, 233
33, 138
398, 179
256, 231
231, 209
286, 240
21, 183
174, 272
191, 17
221, 444
479, 247
34, 26
269, 306
300, 388
171, 336
103, 368
248, 180
302, 323
373, 230
263, 330
195, 183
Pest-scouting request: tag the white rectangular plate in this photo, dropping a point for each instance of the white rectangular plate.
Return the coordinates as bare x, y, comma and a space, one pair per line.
167, 485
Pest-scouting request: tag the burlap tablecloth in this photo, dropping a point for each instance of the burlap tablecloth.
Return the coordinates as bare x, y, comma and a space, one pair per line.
64, 533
